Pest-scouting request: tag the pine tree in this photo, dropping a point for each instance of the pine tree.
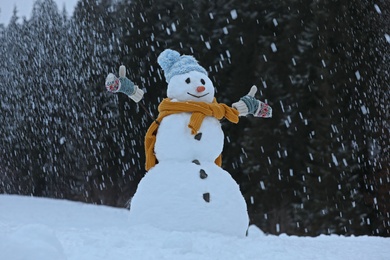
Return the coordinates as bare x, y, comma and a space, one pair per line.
109, 153
13, 108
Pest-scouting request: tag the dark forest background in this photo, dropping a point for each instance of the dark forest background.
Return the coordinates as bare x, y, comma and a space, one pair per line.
319, 166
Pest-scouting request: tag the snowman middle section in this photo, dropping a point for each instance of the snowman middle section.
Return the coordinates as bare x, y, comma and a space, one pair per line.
174, 140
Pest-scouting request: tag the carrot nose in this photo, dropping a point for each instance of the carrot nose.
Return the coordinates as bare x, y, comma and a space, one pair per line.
200, 89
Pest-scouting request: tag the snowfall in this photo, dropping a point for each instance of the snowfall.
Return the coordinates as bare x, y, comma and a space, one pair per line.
48, 229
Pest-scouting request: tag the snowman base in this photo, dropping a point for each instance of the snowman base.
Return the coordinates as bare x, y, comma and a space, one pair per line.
190, 196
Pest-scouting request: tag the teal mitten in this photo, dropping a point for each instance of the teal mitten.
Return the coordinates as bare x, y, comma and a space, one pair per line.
123, 85
250, 105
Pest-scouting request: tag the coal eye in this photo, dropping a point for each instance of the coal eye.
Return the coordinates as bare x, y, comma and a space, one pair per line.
202, 81
188, 81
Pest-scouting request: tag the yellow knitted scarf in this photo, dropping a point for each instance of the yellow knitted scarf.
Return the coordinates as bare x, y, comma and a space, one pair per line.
199, 111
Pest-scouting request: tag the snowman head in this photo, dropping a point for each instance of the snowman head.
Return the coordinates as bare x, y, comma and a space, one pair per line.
186, 79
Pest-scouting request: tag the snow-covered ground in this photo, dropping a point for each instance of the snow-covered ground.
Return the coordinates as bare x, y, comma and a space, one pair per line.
38, 228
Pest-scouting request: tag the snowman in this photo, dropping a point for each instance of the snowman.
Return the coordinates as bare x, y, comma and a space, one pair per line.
185, 189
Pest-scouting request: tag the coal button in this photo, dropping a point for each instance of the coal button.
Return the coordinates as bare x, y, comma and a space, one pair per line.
198, 136
206, 197
202, 174
196, 162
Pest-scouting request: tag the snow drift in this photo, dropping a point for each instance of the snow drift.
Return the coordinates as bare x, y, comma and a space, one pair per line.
38, 228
